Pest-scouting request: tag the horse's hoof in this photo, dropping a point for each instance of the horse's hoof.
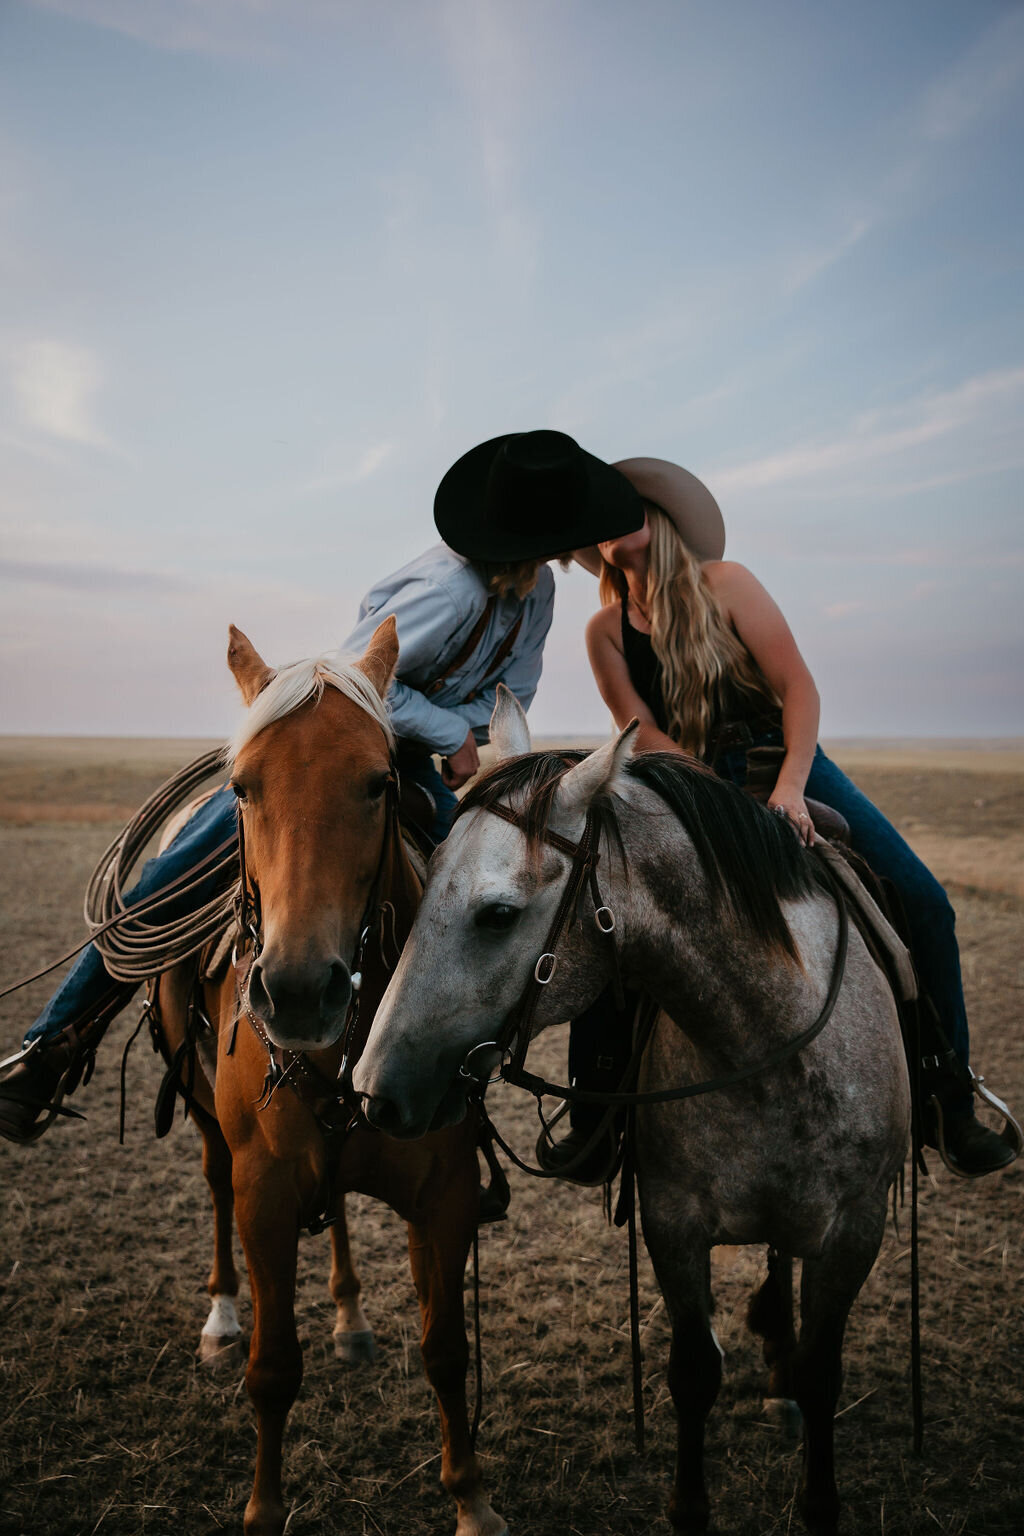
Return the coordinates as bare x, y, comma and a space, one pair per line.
480, 1522
356, 1347
264, 1519
219, 1349
784, 1414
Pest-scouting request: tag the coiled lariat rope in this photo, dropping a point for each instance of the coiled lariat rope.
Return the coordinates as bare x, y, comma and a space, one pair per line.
135, 942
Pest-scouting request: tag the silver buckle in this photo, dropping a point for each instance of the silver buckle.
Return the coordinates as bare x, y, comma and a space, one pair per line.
542, 980
607, 925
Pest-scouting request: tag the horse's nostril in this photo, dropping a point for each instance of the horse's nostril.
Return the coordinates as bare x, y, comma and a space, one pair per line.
383, 1114
338, 990
259, 998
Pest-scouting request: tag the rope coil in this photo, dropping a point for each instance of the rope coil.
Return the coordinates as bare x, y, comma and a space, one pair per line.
134, 941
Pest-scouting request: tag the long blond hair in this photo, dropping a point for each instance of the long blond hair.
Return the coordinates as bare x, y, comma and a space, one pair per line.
702, 659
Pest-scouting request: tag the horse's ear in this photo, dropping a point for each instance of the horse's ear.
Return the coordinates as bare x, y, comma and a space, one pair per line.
248, 668
380, 658
596, 774
509, 732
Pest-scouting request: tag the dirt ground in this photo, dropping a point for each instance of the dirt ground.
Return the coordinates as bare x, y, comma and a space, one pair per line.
109, 1426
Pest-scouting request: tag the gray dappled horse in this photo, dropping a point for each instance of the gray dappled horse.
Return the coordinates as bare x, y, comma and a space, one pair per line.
720, 915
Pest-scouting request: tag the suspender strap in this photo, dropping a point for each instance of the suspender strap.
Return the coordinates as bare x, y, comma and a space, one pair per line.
476, 634
501, 655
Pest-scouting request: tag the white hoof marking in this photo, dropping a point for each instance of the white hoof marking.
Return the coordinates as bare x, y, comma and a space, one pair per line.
221, 1332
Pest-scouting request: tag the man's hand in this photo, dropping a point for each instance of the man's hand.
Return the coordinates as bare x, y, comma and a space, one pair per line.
462, 765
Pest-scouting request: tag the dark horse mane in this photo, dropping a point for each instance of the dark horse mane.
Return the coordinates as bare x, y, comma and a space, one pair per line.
751, 859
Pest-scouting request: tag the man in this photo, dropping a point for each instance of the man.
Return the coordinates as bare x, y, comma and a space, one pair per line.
471, 612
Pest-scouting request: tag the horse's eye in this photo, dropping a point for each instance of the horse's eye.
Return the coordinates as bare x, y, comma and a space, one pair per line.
238, 791
497, 917
377, 785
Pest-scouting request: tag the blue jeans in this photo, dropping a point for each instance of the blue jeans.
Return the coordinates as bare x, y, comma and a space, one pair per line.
419, 766
88, 987
930, 917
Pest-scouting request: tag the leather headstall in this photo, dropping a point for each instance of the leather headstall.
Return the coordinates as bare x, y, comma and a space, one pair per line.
331, 1100
518, 1024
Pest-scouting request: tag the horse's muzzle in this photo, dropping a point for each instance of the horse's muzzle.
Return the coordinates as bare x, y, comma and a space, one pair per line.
302, 1007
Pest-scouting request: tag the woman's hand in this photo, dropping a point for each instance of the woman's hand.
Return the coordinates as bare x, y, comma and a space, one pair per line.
791, 804
461, 765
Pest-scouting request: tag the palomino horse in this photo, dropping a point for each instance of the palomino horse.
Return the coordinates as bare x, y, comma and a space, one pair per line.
716, 911
322, 864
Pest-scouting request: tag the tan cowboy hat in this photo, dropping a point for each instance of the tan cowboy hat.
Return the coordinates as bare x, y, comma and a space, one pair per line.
682, 497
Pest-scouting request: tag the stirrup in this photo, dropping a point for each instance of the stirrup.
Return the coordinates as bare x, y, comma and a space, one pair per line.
53, 1106
1011, 1133
22, 1055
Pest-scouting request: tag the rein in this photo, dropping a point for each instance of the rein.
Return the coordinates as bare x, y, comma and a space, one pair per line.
518, 1028
518, 1024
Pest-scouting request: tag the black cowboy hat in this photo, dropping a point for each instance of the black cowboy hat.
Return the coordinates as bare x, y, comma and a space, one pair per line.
531, 495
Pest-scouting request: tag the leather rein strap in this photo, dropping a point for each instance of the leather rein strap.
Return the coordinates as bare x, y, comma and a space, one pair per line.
332, 1102
518, 1025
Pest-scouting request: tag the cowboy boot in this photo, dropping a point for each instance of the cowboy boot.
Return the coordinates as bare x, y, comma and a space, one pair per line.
968, 1148
32, 1092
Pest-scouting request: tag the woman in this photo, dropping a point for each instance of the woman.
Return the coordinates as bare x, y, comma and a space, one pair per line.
471, 612
694, 647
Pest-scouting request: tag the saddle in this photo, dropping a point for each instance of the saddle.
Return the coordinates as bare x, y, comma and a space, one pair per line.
874, 904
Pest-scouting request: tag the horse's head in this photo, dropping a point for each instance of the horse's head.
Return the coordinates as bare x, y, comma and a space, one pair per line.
490, 896
311, 766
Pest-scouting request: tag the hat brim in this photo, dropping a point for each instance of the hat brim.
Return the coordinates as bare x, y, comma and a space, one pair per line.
682, 497
609, 509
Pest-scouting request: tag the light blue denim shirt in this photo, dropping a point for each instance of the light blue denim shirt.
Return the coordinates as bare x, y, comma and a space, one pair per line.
436, 600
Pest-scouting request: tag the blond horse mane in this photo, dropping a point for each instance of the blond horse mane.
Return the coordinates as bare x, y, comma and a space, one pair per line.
302, 681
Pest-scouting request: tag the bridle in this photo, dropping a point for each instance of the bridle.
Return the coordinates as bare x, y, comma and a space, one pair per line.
249, 906
336, 1107
517, 1026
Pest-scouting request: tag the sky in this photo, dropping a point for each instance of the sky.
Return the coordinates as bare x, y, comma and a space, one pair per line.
268, 267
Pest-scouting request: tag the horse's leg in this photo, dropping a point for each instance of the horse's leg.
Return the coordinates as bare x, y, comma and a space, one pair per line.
268, 1223
437, 1252
829, 1288
353, 1336
770, 1316
682, 1265
222, 1330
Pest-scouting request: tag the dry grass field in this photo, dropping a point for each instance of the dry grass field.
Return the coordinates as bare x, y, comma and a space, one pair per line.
108, 1426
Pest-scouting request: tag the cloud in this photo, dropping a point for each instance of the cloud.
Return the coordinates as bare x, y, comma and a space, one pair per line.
222, 28
804, 266
882, 435
56, 385
365, 466
495, 62
842, 610
76, 577
976, 86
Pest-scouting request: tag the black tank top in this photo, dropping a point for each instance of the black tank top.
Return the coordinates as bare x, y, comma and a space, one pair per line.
736, 708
